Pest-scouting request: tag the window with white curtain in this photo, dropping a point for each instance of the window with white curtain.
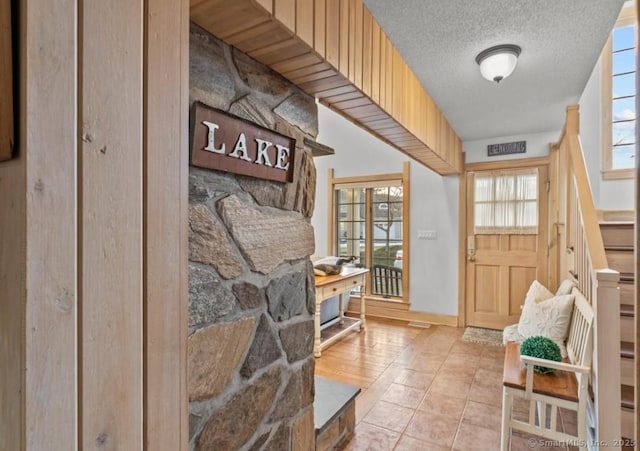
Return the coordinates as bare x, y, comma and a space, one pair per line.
506, 202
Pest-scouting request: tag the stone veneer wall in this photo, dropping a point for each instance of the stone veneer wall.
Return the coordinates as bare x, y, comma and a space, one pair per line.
251, 289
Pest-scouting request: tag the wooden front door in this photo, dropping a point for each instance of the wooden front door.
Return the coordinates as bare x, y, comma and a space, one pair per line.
503, 258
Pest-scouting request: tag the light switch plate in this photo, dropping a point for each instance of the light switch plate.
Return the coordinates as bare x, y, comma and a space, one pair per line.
427, 235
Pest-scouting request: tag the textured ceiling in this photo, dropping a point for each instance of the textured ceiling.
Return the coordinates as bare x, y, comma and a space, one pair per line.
560, 39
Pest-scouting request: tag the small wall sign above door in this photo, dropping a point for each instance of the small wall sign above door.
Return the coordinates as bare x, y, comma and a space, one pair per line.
494, 150
227, 143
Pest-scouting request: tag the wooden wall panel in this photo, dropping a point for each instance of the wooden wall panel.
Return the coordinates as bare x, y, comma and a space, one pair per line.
389, 81
320, 27
304, 21
375, 62
398, 103
13, 300
285, 12
51, 390
112, 227
6, 82
367, 23
165, 209
343, 31
332, 36
358, 44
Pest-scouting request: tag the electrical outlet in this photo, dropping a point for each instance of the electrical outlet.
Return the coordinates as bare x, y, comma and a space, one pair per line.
427, 235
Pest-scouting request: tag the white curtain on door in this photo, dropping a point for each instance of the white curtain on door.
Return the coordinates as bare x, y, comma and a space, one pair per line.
506, 202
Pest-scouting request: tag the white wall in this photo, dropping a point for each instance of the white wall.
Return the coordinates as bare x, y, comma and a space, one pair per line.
433, 205
537, 146
607, 194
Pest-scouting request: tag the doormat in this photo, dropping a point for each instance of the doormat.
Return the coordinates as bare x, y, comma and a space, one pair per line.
483, 336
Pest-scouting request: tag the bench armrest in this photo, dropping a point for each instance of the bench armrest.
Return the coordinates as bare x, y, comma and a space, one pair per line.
553, 364
532, 361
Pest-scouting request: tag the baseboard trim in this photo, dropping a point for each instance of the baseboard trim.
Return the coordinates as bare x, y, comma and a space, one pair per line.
375, 309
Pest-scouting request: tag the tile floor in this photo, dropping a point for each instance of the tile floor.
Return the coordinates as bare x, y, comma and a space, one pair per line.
423, 389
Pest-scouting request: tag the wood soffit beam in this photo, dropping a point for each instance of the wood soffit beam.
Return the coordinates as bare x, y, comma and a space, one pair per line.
337, 52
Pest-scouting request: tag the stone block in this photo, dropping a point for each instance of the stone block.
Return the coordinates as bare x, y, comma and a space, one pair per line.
248, 295
209, 243
307, 379
298, 393
327, 440
300, 110
264, 84
263, 351
347, 422
311, 289
214, 354
257, 445
297, 340
231, 426
290, 400
209, 300
281, 439
254, 111
303, 435
287, 296
210, 80
267, 238
265, 193
205, 184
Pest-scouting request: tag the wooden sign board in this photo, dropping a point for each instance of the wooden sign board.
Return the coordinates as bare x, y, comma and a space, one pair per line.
7, 139
228, 143
494, 150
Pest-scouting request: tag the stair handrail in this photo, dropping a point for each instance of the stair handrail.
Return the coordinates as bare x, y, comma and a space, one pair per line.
586, 261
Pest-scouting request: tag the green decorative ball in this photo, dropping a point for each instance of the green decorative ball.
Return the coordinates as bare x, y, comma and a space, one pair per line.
542, 348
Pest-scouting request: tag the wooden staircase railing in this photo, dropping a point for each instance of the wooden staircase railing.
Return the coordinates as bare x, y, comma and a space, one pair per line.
581, 254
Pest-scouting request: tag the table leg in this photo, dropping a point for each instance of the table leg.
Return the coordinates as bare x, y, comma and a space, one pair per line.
362, 318
317, 341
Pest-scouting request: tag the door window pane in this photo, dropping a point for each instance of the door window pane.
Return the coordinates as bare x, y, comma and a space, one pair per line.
506, 203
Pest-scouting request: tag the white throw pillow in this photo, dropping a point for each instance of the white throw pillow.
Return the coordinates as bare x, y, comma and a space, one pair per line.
565, 287
547, 315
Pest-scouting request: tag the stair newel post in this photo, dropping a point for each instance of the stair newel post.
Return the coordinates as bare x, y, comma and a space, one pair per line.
606, 357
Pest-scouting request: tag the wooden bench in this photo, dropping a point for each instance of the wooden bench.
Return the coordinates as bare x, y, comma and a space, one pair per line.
566, 388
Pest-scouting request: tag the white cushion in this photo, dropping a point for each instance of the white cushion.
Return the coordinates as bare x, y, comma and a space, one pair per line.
546, 315
510, 333
565, 287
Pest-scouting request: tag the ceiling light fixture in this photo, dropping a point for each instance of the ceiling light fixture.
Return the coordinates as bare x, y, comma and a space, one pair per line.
497, 63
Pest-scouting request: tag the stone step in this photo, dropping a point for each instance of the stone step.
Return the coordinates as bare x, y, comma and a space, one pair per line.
334, 410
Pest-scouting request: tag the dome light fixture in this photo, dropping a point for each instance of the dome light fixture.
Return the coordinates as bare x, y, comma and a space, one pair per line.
498, 62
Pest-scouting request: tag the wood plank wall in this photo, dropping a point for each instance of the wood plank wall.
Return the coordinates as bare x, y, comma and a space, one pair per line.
6, 82
51, 150
337, 52
166, 128
93, 230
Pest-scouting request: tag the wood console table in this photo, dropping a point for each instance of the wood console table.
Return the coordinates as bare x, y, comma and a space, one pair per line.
338, 285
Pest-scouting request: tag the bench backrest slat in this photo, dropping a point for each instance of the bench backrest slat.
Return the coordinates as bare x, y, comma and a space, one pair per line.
580, 340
